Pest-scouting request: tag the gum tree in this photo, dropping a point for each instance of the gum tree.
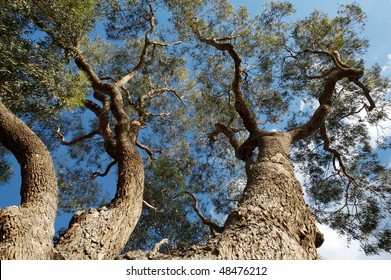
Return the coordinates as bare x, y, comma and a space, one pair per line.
205, 90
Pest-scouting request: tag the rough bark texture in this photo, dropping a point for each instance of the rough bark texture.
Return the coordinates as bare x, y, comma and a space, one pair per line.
271, 221
26, 231
102, 233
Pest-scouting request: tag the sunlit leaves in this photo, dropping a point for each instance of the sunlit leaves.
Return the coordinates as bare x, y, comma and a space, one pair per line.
66, 21
79, 93
341, 33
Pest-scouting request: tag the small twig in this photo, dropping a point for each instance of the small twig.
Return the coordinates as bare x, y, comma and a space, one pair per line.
165, 44
152, 207
161, 115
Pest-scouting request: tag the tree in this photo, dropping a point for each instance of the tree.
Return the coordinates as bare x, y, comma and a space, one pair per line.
218, 126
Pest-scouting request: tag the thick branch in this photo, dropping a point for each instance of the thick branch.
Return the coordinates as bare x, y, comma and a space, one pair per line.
325, 97
104, 126
334, 56
82, 64
220, 128
241, 107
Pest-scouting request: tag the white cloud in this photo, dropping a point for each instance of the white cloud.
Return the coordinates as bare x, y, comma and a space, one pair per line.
336, 247
384, 130
387, 68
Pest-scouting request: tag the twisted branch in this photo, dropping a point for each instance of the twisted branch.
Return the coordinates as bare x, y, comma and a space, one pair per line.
212, 225
148, 150
77, 139
337, 155
96, 174
241, 108
325, 99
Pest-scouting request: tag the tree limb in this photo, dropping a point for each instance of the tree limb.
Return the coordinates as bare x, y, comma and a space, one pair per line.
144, 52
96, 174
220, 128
158, 245
325, 98
213, 226
77, 139
241, 107
149, 206
366, 92
148, 150
337, 155
103, 123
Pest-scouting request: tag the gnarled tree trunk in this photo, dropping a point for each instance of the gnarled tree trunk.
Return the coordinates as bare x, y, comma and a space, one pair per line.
271, 221
26, 231
102, 233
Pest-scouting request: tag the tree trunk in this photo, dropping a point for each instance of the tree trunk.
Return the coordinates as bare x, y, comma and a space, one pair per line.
26, 231
271, 221
102, 233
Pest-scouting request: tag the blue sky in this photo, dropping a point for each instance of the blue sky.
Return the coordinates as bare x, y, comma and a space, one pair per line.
378, 32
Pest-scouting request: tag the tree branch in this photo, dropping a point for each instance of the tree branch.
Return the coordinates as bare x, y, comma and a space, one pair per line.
325, 97
144, 52
241, 108
148, 150
149, 206
96, 174
160, 44
77, 139
158, 245
366, 92
213, 226
337, 155
220, 128
103, 123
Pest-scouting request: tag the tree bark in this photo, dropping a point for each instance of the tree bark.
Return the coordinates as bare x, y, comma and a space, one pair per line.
102, 233
26, 231
271, 221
